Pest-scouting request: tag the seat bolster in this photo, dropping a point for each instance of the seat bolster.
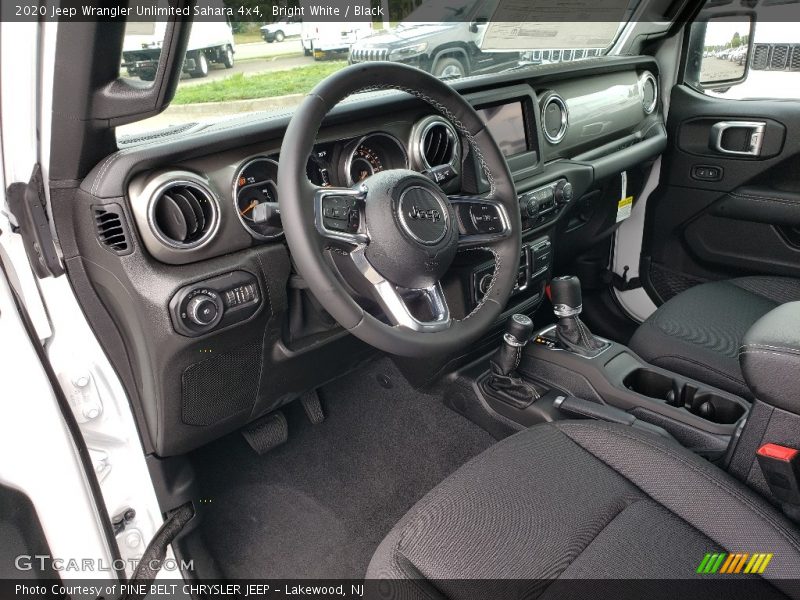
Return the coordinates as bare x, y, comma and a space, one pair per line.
565, 498
698, 332
696, 491
770, 357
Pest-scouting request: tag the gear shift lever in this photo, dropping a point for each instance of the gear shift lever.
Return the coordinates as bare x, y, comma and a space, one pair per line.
519, 329
571, 333
504, 383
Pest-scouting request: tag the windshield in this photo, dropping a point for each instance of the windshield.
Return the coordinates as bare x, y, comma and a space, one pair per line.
233, 68
446, 11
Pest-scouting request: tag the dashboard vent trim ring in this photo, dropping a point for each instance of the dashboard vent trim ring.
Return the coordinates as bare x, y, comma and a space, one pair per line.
554, 98
241, 169
648, 76
182, 211
435, 143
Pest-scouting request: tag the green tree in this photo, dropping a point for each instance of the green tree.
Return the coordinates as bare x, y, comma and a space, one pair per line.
736, 40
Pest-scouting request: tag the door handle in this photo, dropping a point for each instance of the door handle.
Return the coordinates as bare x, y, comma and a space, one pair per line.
753, 141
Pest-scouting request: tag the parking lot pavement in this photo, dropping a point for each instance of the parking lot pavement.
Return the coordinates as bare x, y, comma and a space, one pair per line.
717, 69
761, 84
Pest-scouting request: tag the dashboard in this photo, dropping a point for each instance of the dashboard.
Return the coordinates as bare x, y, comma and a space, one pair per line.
184, 248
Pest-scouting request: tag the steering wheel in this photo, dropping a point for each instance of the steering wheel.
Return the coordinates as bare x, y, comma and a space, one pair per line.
399, 228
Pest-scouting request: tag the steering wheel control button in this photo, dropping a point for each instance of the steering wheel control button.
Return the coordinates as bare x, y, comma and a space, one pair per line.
486, 218
338, 213
480, 218
341, 214
422, 215
202, 307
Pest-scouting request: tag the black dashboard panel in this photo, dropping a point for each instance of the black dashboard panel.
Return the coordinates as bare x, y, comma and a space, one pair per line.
206, 365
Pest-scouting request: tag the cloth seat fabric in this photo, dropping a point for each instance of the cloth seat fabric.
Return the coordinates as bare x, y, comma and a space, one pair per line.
583, 500
698, 333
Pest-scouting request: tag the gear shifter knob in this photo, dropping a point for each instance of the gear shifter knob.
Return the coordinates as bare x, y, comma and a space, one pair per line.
565, 294
519, 329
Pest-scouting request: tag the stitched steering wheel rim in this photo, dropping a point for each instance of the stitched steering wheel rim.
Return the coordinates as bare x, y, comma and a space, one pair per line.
300, 207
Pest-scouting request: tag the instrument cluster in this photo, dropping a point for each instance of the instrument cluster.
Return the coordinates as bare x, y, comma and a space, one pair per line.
342, 163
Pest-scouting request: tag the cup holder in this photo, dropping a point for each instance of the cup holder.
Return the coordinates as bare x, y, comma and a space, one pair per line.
705, 404
649, 383
715, 408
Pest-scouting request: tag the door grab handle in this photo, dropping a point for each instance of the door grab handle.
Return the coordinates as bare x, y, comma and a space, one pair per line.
755, 141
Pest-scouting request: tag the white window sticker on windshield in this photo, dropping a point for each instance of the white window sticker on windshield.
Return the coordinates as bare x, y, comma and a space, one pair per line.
554, 24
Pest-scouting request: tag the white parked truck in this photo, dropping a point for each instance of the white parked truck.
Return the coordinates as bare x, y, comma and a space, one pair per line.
209, 42
327, 39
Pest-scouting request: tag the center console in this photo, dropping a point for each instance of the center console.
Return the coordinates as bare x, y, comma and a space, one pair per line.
565, 371
699, 416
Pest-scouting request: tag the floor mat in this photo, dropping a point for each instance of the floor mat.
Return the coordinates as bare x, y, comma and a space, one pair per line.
319, 505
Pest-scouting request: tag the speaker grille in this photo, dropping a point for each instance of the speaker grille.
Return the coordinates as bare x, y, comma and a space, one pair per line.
220, 386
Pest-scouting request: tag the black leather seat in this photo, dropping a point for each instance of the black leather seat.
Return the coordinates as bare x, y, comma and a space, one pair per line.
583, 500
698, 333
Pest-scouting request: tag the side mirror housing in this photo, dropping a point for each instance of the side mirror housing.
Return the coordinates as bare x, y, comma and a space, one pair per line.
720, 46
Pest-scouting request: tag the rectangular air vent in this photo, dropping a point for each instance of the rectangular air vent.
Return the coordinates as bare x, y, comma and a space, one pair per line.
111, 229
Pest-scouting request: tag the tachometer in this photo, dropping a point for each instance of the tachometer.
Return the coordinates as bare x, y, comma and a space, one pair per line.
255, 195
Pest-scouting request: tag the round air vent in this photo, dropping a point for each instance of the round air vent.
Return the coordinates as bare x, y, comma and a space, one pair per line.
555, 118
434, 143
183, 214
649, 91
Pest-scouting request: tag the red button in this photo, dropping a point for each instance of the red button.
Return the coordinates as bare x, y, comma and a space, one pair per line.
777, 452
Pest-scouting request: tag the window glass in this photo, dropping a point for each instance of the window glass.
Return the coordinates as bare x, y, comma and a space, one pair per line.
236, 67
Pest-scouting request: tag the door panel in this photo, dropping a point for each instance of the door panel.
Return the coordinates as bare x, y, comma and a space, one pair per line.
728, 203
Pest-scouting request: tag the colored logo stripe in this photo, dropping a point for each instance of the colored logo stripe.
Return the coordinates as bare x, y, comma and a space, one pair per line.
732, 563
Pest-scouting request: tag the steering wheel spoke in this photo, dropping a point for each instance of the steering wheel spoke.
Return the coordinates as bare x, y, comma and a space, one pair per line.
481, 220
339, 214
396, 301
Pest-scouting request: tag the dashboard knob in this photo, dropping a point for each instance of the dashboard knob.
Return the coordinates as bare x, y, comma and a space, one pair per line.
530, 208
563, 192
202, 310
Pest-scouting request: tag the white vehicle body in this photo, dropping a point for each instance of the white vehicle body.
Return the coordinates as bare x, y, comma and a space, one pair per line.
209, 42
281, 29
327, 38
204, 35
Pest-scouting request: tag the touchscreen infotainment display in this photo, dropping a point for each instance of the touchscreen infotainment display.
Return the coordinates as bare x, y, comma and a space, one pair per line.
507, 126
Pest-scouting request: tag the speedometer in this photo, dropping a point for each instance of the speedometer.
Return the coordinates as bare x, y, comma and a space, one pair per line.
255, 195
363, 163
372, 154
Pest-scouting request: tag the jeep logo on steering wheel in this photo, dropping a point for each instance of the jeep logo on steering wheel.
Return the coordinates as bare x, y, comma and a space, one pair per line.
431, 214
423, 215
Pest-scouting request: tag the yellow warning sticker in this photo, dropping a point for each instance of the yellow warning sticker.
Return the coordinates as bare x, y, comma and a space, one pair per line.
624, 208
